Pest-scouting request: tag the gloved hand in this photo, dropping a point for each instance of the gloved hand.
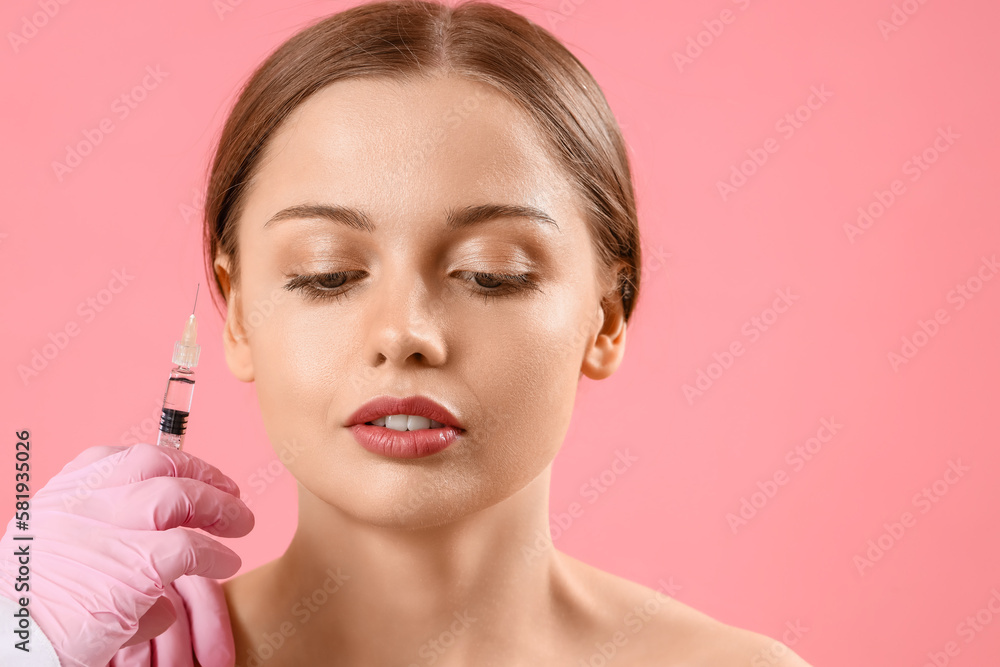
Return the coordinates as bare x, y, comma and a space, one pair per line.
111, 533
203, 628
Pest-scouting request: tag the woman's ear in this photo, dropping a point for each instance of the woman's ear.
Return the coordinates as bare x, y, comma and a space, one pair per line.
234, 338
605, 353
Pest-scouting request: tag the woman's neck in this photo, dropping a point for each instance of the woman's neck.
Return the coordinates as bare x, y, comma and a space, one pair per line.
411, 596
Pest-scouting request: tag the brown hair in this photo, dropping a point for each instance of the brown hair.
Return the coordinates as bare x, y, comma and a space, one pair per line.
477, 40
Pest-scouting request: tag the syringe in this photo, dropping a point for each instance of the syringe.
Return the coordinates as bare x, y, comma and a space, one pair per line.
180, 386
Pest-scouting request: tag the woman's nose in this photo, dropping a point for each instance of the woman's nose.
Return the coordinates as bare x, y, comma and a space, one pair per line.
406, 325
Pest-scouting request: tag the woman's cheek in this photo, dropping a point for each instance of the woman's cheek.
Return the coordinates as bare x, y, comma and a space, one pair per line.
284, 370
534, 388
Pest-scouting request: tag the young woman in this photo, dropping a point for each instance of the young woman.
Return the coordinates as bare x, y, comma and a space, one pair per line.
438, 203
422, 221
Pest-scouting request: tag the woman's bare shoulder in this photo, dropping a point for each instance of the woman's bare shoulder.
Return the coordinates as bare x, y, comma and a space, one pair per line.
641, 626
244, 594
725, 645
243, 590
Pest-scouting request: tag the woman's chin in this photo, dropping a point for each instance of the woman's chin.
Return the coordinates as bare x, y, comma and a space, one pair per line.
405, 508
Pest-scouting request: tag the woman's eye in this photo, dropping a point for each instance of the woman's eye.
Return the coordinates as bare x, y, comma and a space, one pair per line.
321, 285
333, 285
498, 284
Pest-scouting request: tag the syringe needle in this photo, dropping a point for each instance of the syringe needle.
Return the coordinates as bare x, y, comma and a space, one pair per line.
195, 298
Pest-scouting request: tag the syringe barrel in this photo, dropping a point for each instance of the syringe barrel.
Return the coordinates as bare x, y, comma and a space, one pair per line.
176, 407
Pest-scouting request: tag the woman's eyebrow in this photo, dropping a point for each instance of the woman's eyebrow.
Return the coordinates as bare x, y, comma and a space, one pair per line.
456, 218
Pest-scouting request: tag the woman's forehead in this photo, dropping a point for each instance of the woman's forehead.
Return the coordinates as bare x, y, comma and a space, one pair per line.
403, 128
422, 144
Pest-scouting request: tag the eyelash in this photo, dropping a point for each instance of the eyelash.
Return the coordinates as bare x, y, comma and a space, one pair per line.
510, 284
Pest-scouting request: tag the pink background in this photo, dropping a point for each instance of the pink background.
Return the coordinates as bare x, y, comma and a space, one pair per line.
711, 264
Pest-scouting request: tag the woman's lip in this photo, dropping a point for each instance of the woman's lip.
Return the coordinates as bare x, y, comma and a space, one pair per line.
421, 406
403, 444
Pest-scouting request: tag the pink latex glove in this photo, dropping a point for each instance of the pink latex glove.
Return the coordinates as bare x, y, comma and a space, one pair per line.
203, 628
112, 532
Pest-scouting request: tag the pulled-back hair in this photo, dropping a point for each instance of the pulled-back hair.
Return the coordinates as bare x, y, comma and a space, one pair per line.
476, 40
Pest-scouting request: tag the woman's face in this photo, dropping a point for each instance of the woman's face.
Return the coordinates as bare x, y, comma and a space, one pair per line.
411, 316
